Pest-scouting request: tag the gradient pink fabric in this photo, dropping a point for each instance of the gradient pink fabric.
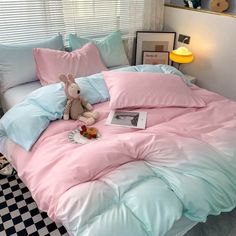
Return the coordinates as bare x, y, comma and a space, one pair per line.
50, 64
54, 165
146, 89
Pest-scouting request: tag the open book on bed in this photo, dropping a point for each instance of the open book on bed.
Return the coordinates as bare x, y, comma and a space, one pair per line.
131, 119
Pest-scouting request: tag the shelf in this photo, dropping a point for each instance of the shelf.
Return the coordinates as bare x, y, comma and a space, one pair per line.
201, 10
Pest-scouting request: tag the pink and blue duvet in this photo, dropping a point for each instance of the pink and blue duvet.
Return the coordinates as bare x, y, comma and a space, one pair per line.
136, 182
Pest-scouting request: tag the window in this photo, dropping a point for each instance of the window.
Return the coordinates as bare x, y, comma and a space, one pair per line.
26, 21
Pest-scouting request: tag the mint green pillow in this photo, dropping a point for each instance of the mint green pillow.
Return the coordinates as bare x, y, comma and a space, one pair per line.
111, 48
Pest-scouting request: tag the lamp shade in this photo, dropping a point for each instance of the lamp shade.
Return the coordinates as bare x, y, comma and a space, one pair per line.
181, 55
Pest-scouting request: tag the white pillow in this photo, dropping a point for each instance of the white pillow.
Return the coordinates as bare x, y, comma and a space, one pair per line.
17, 64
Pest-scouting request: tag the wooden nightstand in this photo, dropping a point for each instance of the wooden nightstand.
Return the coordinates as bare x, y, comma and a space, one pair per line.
190, 78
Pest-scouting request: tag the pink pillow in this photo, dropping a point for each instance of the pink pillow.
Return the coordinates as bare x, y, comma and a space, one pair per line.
81, 62
137, 89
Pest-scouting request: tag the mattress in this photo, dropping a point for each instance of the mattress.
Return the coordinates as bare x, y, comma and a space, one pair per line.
16, 94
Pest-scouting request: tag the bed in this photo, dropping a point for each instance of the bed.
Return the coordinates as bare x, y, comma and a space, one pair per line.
162, 180
74, 201
17, 94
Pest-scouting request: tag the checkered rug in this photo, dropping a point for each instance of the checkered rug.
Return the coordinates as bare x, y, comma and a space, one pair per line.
20, 214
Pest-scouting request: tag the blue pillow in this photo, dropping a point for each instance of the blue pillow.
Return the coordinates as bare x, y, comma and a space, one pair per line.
17, 64
111, 48
24, 123
93, 88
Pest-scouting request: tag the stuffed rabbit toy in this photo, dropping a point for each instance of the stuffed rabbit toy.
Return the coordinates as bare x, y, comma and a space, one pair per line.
76, 107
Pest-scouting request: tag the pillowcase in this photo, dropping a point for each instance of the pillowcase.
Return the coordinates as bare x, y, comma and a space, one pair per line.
143, 89
24, 122
93, 88
160, 68
111, 48
81, 62
17, 64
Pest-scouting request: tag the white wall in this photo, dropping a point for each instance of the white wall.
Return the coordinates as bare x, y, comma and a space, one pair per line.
213, 43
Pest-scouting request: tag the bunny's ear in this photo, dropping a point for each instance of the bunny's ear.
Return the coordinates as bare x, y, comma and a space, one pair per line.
63, 78
71, 78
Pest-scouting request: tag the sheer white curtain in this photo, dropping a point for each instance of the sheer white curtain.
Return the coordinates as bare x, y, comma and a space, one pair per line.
23, 21
29, 20
152, 18
153, 15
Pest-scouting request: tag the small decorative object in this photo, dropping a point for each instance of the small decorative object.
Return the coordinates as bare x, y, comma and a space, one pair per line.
89, 132
6, 168
149, 41
219, 5
129, 119
155, 58
76, 107
181, 55
84, 135
193, 3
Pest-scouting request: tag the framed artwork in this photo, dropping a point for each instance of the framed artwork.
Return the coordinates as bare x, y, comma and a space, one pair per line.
155, 58
153, 41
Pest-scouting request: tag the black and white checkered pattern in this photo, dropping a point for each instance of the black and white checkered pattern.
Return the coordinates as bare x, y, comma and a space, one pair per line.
20, 214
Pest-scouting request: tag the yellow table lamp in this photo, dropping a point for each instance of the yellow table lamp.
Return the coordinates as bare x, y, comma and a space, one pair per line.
181, 55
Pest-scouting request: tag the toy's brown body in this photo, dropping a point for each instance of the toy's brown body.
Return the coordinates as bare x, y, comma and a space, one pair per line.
76, 107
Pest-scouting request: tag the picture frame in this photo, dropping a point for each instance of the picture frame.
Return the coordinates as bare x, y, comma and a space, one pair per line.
155, 58
153, 41
129, 119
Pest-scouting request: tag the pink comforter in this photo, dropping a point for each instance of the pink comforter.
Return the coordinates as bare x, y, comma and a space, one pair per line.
55, 165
